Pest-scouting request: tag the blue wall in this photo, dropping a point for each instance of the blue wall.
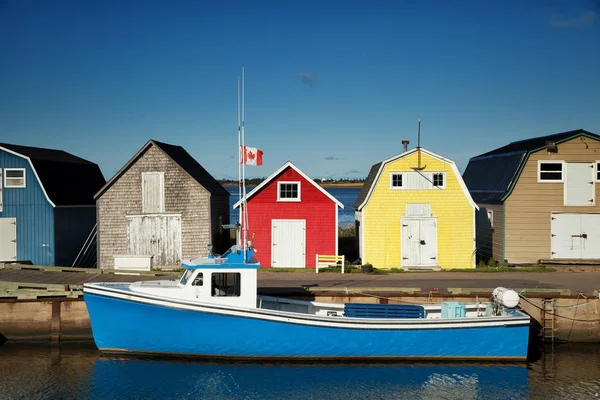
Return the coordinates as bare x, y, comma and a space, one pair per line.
34, 214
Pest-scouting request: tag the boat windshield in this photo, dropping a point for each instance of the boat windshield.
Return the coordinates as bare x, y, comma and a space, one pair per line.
186, 277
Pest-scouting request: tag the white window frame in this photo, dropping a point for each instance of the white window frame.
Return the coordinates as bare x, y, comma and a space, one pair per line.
392, 181
539, 171
298, 183
433, 180
597, 170
7, 186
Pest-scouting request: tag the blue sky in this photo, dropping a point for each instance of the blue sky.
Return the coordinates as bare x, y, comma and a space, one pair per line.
333, 86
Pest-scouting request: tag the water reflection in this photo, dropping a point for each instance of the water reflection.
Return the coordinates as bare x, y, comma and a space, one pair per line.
78, 371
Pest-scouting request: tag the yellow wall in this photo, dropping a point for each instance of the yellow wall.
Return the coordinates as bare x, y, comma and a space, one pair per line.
382, 214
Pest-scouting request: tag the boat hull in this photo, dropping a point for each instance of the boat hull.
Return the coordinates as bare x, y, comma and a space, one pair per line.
124, 323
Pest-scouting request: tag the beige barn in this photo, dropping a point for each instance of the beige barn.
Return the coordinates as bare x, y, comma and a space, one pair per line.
538, 199
161, 207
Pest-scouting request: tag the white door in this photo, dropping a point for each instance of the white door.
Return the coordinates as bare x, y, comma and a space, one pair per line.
419, 242
8, 239
579, 184
288, 243
590, 230
156, 235
575, 236
153, 192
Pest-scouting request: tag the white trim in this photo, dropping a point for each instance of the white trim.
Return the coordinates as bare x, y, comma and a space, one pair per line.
337, 231
443, 186
6, 186
289, 199
401, 187
279, 171
307, 319
362, 254
430, 154
562, 172
34, 172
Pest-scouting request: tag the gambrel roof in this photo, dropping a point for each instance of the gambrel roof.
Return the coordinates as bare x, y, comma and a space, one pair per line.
377, 169
491, 176
66, 180
285, 166
183, 159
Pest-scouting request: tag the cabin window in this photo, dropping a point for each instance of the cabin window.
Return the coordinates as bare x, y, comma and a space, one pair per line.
288, 191
395, 180
186, 277
14, 177
226, 284
438, 180
550, 171
198, 280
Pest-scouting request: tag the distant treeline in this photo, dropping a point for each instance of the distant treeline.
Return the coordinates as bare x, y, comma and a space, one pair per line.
258, 181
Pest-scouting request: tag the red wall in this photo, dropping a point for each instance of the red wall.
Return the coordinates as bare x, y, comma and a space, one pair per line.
318, 210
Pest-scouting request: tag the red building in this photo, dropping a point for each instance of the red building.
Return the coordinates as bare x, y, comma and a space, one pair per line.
292, 219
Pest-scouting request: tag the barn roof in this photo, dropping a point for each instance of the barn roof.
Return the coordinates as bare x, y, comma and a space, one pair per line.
376, 170
277, 173
66, 179
183, 159
491, 176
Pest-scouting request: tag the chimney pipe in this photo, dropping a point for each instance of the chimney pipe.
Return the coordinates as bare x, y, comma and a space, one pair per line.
405, 145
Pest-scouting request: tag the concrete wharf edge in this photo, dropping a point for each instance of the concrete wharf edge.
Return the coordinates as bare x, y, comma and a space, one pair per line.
45, 303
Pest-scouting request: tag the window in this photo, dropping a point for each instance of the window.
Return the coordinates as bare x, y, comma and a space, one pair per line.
438, 180
396, 180
288, 191
186, 277
225, 284
417, 180
14, 177
198, 280
550, 171
598, 171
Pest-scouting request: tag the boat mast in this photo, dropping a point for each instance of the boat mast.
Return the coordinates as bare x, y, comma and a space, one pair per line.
240, 160
245, 205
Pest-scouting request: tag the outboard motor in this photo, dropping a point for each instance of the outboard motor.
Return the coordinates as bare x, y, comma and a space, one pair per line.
503, 297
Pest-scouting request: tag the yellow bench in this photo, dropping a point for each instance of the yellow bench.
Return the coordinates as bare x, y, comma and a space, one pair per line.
326, 261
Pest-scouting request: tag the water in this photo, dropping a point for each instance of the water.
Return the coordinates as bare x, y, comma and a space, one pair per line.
346, 196
79, 371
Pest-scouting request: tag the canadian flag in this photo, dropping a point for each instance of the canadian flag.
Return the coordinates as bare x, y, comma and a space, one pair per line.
250, 155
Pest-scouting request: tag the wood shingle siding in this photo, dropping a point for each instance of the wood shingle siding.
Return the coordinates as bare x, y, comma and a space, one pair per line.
184, 198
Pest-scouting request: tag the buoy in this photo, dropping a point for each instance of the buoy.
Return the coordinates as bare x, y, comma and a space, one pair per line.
507, 297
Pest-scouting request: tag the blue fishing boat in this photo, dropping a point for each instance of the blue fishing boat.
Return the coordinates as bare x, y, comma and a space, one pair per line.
214, 310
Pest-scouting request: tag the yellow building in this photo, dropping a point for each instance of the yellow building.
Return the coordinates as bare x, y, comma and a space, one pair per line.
415, 212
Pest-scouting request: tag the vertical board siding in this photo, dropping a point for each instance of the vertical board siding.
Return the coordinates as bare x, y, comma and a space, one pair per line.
382, 215
531, 203
156, 235
315, 208
34, 214
182, 194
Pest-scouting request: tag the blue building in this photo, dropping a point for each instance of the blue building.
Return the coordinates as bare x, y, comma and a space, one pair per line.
47, 206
